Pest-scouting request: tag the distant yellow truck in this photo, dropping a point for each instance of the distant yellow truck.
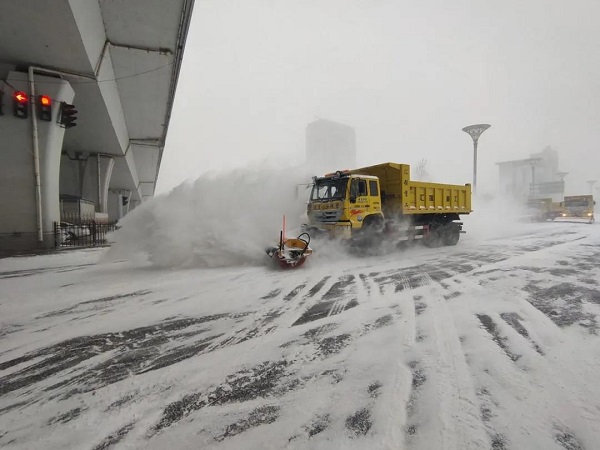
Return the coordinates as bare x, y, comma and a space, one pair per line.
543, 209
372, 203
578, 207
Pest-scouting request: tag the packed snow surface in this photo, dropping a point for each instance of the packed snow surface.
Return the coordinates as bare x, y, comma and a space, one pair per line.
492, 344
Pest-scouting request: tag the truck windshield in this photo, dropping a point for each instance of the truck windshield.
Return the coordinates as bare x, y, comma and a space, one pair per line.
329, 189
577, 203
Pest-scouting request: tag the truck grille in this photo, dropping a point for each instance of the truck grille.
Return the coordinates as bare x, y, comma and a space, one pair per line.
325, 216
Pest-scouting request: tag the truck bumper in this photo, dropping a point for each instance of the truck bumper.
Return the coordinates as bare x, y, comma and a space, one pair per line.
331, 230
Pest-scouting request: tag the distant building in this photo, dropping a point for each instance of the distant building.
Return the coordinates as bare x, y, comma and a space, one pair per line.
330, 146
535, 177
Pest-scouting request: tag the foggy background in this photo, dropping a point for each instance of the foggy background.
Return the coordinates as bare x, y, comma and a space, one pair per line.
406, 75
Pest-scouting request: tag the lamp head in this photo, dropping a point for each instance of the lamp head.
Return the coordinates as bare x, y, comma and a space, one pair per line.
475, 130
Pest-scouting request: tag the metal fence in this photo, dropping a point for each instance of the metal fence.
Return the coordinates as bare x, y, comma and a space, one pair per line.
82, 232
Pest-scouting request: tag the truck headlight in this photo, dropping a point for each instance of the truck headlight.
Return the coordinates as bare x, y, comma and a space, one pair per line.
589, 214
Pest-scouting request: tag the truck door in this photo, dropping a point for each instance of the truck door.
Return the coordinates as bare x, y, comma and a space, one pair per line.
359, 200
374, 199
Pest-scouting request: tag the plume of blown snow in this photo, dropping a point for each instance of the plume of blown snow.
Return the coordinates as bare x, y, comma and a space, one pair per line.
497, 216
223, 219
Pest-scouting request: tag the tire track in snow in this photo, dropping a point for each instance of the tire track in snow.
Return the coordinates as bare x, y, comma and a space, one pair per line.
458, 264
398, 417
486, 402
312, 350
268, 318
520, 404
340, 296
490, 326
294, 292
478, 330
263, 321
314, 290
515, 321
366, 291
445, 407
504, 382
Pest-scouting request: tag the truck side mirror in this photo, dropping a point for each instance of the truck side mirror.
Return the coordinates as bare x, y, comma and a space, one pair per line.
352, 198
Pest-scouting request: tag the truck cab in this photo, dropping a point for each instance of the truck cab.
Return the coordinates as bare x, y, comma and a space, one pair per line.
578, 206
341, 202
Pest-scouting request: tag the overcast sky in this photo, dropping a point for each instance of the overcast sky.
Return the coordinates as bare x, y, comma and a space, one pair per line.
407, 75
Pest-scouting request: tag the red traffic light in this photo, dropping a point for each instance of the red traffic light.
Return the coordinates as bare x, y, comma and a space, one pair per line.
44, 107
20, 108
20, 97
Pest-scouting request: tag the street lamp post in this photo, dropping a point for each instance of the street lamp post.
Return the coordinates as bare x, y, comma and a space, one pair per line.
532, 188
475, 131
562, 176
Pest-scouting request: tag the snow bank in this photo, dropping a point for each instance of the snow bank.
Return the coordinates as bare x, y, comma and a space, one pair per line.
222, 219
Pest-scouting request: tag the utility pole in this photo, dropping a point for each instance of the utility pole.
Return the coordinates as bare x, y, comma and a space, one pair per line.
475, 131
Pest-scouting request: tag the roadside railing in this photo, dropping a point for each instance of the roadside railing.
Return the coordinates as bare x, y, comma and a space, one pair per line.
82, 232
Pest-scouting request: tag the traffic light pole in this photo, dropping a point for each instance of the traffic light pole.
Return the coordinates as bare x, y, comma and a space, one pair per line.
35, 139
36, 158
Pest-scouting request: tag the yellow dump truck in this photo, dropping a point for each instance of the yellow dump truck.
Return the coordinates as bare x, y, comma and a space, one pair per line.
578, 207
543, 209
377, 202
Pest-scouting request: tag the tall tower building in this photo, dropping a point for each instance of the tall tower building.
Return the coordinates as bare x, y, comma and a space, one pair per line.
330, 146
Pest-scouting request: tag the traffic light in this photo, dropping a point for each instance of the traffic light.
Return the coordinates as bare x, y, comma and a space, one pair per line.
44, 105
67, 115
20, 109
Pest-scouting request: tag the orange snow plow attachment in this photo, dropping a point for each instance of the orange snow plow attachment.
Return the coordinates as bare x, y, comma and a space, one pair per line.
290, 252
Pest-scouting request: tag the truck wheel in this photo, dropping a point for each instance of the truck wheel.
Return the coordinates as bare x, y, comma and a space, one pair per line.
433, 238
370, 234
373, 225
450, 234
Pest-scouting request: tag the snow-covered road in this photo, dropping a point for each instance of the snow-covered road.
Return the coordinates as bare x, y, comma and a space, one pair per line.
492, 344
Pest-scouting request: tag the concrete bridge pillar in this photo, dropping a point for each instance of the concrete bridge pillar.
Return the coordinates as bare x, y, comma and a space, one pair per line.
26, 218
85, 178
118, 204
96, 179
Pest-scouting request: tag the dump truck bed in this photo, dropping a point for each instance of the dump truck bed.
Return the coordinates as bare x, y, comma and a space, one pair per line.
401, 195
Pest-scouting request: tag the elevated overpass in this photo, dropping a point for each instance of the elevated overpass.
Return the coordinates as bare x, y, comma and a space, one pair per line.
117, 62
